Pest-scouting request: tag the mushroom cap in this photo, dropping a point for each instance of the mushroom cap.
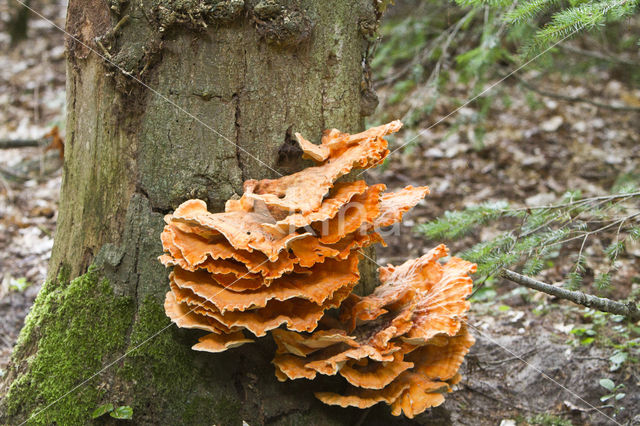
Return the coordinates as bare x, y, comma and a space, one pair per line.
220, 342
198, 252
339, 154
441, 362
443, 309
375, 375
303, 345
421, 394
362, 209
317, 287
297, 314
393, 205
185, 316
243, 230
364, 398
399, 285
215, 267
335, 142
341, 194
402, 345
309, 251
285, 252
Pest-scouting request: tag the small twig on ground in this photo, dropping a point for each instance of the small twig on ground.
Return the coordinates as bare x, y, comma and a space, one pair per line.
574, 98
629, 310
11, 175
585, 358
485, 392
423, 56
8, 343
609, 197
573, 406
7, 188
513, 358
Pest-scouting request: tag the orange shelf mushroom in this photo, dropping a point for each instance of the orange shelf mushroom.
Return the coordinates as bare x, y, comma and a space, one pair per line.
402, 345
286, 251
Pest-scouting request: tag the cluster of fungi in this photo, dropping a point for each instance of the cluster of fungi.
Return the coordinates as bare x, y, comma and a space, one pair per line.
283, 256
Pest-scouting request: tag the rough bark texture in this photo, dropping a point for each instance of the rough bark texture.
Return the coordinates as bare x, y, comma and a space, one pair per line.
254, 72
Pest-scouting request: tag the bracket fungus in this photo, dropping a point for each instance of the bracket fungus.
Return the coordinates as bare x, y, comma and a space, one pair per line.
287, 251
402, 345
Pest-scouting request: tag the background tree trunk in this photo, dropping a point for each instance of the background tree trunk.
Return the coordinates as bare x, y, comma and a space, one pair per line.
17, 25
254, 72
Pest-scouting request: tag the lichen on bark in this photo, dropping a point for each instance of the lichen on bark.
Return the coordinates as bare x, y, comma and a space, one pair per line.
198, 14
282, 23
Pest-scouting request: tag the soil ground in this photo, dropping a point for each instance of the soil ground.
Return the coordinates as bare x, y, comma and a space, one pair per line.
527, 367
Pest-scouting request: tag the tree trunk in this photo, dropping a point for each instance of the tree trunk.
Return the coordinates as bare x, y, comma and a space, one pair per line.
17, 25
228, 83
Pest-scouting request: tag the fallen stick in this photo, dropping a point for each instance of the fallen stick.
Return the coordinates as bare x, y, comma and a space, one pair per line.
21, 143
629, 310
574, 98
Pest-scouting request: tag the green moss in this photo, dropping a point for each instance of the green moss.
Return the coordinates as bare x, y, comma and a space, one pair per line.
164, 373
72, 331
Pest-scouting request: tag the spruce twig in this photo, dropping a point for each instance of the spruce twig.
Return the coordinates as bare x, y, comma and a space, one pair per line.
629, 310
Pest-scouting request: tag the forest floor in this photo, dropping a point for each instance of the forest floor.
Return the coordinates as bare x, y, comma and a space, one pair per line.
532, 362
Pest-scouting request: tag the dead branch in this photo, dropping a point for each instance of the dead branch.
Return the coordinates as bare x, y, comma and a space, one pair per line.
12, 175
21, 143
597, 55
629, 310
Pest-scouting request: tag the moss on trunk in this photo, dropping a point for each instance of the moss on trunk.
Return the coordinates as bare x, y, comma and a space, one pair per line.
74, 328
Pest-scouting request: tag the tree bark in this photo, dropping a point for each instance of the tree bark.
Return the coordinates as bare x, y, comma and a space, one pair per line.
226, 84
17, 25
